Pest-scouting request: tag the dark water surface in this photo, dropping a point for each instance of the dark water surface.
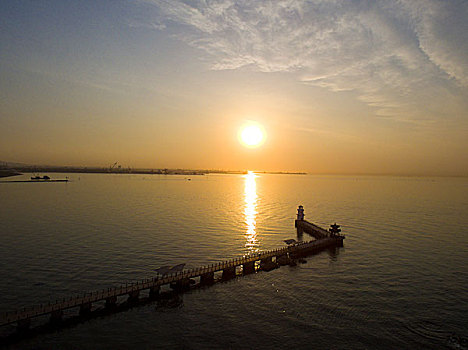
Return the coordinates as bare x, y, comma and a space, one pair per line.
400, 282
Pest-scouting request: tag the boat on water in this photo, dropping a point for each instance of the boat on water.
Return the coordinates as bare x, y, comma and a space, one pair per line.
37, 178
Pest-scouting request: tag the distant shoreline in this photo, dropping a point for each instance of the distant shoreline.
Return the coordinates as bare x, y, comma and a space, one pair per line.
93, 170
7, 173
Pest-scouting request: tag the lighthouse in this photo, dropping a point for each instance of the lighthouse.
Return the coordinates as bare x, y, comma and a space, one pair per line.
300, 213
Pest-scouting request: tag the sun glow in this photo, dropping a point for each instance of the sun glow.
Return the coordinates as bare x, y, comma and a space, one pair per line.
252, 135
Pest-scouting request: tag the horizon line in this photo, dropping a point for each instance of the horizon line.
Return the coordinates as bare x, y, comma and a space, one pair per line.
12, 165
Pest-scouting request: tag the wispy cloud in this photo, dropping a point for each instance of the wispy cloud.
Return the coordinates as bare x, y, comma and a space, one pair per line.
442, 30
393, 54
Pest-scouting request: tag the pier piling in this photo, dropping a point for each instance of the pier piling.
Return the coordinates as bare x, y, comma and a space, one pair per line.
24, 324
85, 309
154, 292
248, 267
181, 284
133, 296
56, 316
111, 302
207, 278
229, 272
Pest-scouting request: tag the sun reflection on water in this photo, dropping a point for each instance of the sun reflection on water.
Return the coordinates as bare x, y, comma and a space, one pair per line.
250, 211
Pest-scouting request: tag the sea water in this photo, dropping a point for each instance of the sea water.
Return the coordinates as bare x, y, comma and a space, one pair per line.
399, 282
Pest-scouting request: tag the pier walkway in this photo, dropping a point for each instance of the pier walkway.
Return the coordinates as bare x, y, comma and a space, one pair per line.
182, 279
311, 229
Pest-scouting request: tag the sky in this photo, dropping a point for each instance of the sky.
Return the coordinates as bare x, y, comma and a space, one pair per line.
339, 87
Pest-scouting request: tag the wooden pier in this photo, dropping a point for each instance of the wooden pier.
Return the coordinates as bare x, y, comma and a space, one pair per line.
179, 280
33, 181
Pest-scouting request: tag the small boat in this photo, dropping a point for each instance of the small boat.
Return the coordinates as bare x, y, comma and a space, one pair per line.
45, 177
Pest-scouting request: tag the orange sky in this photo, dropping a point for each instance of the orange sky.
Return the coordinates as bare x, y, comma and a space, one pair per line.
356, 88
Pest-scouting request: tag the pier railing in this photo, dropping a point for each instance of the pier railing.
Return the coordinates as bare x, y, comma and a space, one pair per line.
84, 301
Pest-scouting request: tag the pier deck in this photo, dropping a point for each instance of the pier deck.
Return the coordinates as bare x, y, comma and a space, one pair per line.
23, 317
311, 229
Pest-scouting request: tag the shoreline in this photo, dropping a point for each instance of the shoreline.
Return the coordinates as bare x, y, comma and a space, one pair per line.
8, 173
86, 170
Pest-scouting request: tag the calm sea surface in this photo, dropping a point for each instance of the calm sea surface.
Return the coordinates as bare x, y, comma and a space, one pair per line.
400, 282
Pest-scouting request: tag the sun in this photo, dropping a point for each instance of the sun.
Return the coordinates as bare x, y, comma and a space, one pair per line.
252, 135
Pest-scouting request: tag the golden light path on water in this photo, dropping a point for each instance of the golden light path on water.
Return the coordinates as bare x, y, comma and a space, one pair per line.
250, 211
